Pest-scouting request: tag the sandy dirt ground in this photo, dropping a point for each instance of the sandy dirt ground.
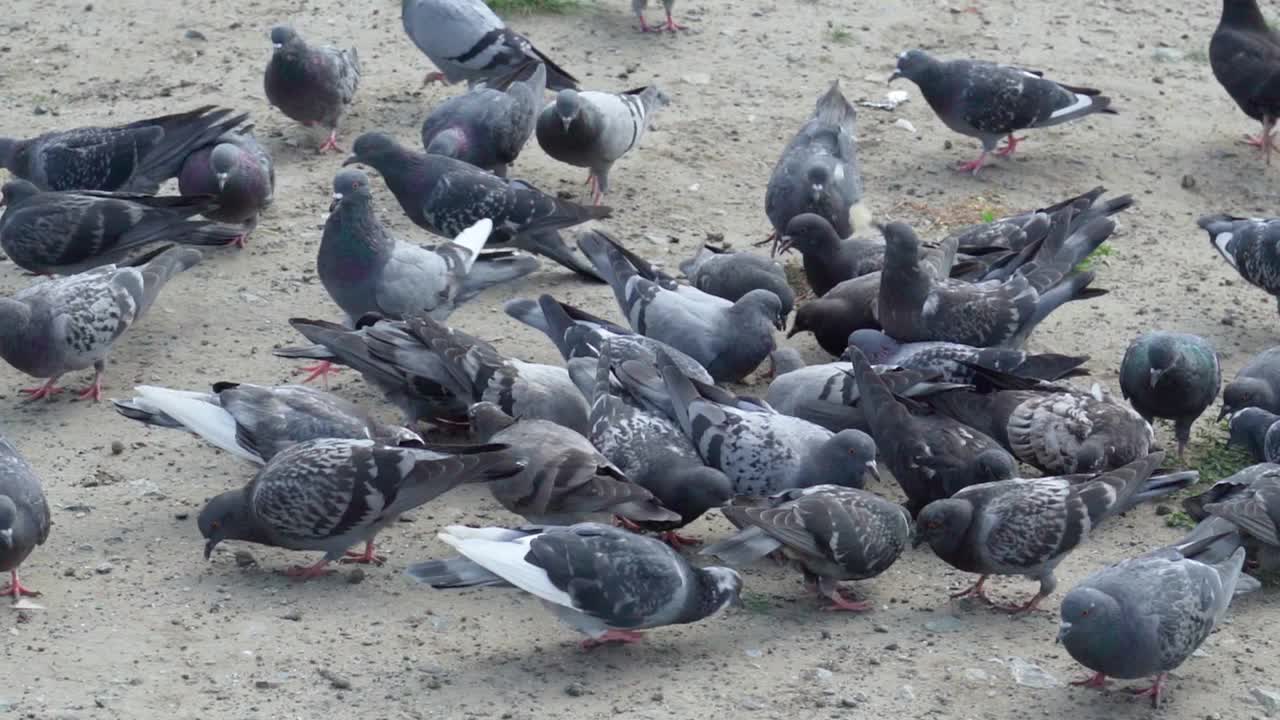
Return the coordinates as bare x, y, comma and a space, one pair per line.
137, 625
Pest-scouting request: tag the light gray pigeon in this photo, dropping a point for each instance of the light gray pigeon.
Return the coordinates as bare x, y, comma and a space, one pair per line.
729, 339
1146, 615
819, 171
312, 85
256, 422
1249, 246
638, 6
331, 494
1255, 510
467, 41
1028, 526
488, 126
24, 516
566, 479
1249, 495
70, 323
1256, 385
1171, 375
955, 363
1245, 56
731, 275
1255, 430
594, 129
988, 101
830, 533
604, 582
238, 172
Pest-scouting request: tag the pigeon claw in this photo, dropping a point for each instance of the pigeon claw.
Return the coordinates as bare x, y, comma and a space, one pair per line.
331, 143
1026, 607
977, 592
1155, 691
840, 603
973, 166
93, 392
16, 589
671, 25
308, 572
677, 541
1011, 146
47, 390
434, 76
368, 557
612, 637
1096, 680
322, 369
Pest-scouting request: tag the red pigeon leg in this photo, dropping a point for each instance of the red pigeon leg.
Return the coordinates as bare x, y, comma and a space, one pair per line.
16, 589
435, 76
976, 592
331, 143
368, 557
94, 391
322, 369
1026, 607
1011, 146
620, 637
671, 24
676, 540
973, 166
1155, 691
49, 389
319, 569
1096, 680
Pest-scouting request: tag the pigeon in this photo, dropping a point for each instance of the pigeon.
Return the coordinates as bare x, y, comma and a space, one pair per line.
594, 129
606, 583
638, 6
931, 455
566, 479
1254, 509
831, 533
847, 307
819, 171
446, 196
988, 101
917, 306
138, 157
467, 41
1027, 526
312, 85
1228, 487
75, 230
1246, 496
762, 451
1249, 246
729, 339
1171, 375
1175, 599
1255, 430
256, 422
1256, 385
648, 447
331, 494
1058, 429
238, 171
24, 516
1245, 56
955, 363
730, 275
828, 260
488, 126
69, 323
367, 270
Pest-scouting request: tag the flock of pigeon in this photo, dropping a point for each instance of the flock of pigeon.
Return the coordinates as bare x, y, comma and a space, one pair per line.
608, 456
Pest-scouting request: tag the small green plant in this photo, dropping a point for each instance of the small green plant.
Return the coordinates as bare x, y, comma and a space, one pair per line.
988, 216
529, 7
1179, 519
756, 603
1104, 250
1208, 453
839, 34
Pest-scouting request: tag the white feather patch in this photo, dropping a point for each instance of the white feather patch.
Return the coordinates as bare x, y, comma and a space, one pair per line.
1221, 241
1082, 102
474, 238
208, 421
506, 560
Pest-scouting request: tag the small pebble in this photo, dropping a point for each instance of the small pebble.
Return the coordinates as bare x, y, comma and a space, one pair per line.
104, 568
117, 447
294, 615
244, 558
574, 690
336, 681
356, 576
194, 35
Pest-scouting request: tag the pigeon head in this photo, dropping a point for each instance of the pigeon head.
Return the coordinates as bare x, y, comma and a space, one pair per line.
15, 191
349, 185
808, 232
401, 436
8, 518
943, 524
1245, 392
1090, 618
900, 242
14, 318
1162, 356
785, 360
224, 159
227, 517
696, 490
487, 420
284, 38
764, 303
853, 453
913, 65
568, 105
373, 148
819, 176
1248, 428
722, 587
995, 464
876, 345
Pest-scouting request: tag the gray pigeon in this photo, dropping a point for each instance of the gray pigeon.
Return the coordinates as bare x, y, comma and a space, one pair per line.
138, 157
819, 171
24, 516
955, 363
1177, 600
1245, 56
256, 422
847, 307
1255, 430
467, 41
917, 306
831, 533
367, 270
1027, 526
1227, 488
70, 323
488, 126
988, 101
1249, 497
1249, 246
238, 171
762, 451
1255, 510
638, 6
931, 455
604, 582
729, 339
312, 85
829, 260
73, 230
731, 275
566, 479
446, 196
331, 494
594, 129
1256, 385
1171, 375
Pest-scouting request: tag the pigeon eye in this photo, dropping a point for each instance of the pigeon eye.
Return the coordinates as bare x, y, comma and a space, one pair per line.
933, 525
1084, 613
215, 525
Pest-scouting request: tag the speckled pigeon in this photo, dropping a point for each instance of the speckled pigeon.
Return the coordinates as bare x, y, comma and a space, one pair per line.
24, 516
238, 171
1250, 245
312, 85
955, 363
606, 583
488, 126
1171, 375
731, 275
1245, 56
1256, 385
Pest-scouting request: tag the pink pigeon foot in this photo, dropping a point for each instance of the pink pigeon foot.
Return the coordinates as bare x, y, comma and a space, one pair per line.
840, 603
1096, 680
93, 392
368, 557
1155, 691
626, 524
308, 572
1026, 607
647, 28
677, 541
47, 390
16, 589
331, 143
973, 166
620, 637
322, 369
1011, 146
977, 592
672, 26
434, 76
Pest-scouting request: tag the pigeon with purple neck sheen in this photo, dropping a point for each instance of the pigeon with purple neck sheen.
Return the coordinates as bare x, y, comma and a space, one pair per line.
489, 125
312, 85
238, 171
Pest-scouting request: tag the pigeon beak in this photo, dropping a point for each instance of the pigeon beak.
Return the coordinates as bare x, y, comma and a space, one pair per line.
210, 545
896, 74
1155, 376
6, 538
817, 191
351, 160
785, 245
875, 471
337, 200
781, 323
1063, 628
565, 122
222, 180
277, 46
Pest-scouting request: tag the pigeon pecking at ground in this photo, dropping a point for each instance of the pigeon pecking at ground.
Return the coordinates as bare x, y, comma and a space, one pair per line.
1254, 509
256, 422
488, 126
1171, 375
595, 129
1249, 246
604, 582
1176, 599
1256, 385
467, 41
24, 516
312, 85
828, 260
238, 172
64, 324
1245, 56
819, 171
731, 275
955, 363
988, 101
830, 533
75, 230
331, 494
1255, 430
846, 308
138, 157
